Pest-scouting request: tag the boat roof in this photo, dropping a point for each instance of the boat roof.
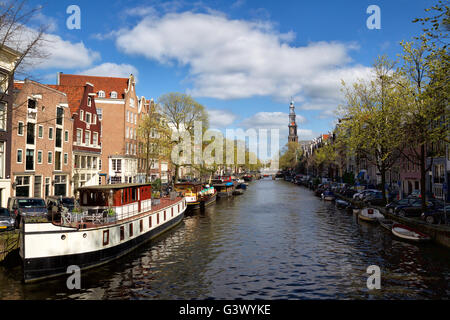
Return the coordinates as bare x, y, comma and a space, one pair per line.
188, 183
114, 186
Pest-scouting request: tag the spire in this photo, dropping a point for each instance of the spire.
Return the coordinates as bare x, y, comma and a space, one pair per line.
292, 123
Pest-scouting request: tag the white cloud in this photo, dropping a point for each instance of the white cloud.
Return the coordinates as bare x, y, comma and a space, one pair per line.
57, 52
220, 118
270, 120
108, 69
231, 59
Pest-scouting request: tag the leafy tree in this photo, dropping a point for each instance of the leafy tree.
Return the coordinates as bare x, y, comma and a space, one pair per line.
373, 117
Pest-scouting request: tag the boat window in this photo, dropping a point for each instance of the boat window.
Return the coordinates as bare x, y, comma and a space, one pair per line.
141, 226
164, 215
122, 196
134, 194
150, 222
157, 218
122, 233
105, 237
131, 229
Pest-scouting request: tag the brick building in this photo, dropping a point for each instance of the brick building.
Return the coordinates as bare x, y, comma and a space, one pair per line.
117, 107
41, 159
8, 59
86, 134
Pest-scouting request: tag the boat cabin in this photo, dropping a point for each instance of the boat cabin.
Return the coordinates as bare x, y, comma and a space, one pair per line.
124, 199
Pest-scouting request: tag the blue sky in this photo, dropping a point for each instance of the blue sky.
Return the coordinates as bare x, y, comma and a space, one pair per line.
242, 59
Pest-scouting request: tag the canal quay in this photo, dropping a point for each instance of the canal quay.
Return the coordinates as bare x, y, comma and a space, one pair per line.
276, 241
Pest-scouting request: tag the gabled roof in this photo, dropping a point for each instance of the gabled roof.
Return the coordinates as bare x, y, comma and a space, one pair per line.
74, 95
106, 84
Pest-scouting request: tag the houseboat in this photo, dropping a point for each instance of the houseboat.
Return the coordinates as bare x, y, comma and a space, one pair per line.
224, 189
197, 195
111, 221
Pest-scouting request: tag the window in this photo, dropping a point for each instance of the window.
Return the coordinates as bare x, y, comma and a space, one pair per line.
99, 164
39, 157
58, 160
122, 233
150, 222
88, 102
30, 133
101, 94
141, 225
66, 136
31, 104
95, 138
135, 118
128, 116
87, 137
94, 162
20, 128
23, 186
79, 135
49, 157
58, 142
99, 113
127, 132
130, 229
117, 164
157, 218
2, 116
66, 158
2, 160
88, 118
105, 237
81, 115
19, 156
131, 102
94, 119
114, 95
29, 158
40, 132
59, 115
50, 133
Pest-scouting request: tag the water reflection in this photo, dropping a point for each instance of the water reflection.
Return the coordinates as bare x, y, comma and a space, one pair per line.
277, 241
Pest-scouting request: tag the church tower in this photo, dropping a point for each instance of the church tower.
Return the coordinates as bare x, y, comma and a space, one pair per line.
292, 124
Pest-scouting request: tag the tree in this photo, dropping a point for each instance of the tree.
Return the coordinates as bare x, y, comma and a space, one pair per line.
154, 137
16, 35
290, 155
373, 117
181, 112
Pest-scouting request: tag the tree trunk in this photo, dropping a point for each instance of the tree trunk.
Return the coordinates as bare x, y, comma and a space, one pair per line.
423, 165
383, 182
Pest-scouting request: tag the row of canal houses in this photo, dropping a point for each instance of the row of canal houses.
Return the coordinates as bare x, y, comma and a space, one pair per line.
403, 178
80, 131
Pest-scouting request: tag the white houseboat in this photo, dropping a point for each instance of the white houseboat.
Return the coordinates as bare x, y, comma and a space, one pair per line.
112, 220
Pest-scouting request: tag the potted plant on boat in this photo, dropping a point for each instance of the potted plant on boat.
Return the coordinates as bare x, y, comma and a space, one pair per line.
110, 215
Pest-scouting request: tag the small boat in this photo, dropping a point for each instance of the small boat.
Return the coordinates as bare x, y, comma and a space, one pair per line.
386, 223
407, 233
370, 214
341, 204
328, 195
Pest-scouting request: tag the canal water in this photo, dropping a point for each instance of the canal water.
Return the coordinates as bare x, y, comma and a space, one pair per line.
277, 241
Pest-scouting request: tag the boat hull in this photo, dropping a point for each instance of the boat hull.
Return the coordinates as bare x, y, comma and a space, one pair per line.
406, 233
42, 267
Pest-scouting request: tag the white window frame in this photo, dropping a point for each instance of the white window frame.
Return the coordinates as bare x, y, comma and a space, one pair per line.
43, 131
101, 94
113, 95
66, 135
50, 129
18, 128
66, 158
21, 156
37, 156
51, 160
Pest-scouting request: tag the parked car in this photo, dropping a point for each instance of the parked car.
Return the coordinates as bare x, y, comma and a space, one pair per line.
27, 207
374, 198
7, 220
436, 214
409, 207
56, 203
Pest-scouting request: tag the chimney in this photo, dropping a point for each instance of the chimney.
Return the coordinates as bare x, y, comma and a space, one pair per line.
58, 74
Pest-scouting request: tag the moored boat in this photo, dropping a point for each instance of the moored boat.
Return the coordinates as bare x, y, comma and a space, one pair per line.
240, 188
342, 204
407, 233
370, 214
111, 221
224, 189
386, 223
328, 195
197, 195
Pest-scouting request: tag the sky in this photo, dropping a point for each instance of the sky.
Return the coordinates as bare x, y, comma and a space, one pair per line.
244, 60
